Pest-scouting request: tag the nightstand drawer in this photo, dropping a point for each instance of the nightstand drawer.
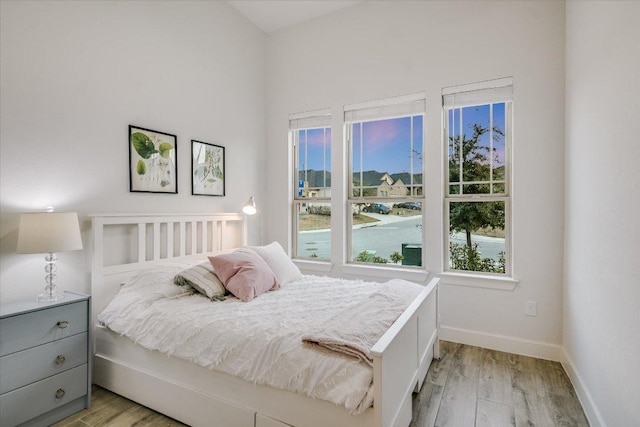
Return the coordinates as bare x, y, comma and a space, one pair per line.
28, 366
39, 327
28, 402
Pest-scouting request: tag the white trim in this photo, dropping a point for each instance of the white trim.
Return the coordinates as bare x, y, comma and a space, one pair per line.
312, 113
400, 106
499, 342
310, 120
485, 84
478, 281
312, 266
584, 396
395, 100
378, 272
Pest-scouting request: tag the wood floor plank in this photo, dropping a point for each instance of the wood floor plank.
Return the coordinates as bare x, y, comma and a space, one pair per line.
493, 414
531, 409
105, 415
555, 380
495, 378
470, 359
70, 423
133, 416
458, 403
426, 405
567, 411
521, 363
439, 369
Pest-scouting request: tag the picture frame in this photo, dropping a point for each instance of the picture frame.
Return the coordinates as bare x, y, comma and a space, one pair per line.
207, 169
153, 161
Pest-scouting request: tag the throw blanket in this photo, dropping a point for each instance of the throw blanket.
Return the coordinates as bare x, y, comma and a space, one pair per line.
356, 329
259, 341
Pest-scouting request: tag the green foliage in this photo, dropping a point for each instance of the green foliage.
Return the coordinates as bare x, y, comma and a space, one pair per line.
463, 257
396, 257
165, 149
141, 168
319, 210
365, 256
143, 145
470, 216
476, 166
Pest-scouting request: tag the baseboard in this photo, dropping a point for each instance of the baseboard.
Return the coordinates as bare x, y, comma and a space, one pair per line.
588, 405
501, 343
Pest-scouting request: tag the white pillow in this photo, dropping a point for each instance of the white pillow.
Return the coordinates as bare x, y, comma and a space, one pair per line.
279, 262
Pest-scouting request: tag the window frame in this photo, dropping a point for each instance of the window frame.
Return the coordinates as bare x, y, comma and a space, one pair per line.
395, 108
485, 93
312, 120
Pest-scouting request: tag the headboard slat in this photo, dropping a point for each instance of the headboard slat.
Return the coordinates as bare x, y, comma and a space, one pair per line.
170, 233
183, 242
142, 242
117, 236
194, 237
156, 240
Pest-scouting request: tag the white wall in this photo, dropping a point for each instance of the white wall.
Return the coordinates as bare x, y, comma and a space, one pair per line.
380, 49
601, 336
74, 75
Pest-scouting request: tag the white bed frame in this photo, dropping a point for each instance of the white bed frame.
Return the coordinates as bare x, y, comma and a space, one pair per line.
201, 397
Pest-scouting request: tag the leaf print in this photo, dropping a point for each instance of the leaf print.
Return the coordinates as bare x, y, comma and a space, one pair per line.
143, 145
141, 168
165, 149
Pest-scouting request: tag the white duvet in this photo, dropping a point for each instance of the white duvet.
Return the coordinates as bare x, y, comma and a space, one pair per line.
258, 341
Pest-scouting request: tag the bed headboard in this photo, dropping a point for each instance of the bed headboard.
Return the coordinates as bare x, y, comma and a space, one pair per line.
125, 244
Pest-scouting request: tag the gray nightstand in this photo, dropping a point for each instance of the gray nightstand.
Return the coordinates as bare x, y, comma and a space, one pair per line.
44, 360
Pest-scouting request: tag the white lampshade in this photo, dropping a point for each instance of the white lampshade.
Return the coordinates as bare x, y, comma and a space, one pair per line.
48, 232
249, 208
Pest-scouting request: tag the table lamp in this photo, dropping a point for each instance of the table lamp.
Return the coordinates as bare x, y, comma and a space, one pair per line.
49, 232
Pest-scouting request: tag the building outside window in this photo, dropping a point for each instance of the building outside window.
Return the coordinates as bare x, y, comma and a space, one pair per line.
385, 141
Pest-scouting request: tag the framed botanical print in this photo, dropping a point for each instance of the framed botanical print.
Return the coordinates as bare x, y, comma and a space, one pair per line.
153, 166
207, 169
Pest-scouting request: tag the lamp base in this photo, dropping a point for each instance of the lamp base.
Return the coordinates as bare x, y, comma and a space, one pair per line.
45, 297
50, 291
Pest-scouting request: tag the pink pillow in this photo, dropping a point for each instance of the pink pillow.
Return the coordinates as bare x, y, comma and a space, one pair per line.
244, 273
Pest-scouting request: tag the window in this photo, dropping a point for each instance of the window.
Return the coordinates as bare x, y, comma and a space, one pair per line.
386, 194
310, 134
478, 133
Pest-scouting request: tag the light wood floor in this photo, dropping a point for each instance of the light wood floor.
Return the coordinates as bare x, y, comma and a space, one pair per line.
468, 386
473, 386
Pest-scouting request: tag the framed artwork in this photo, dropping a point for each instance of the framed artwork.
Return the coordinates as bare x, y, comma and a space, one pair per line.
207, 169
153, 165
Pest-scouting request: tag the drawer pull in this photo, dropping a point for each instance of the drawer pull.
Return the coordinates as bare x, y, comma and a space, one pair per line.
60, 360
62, 324
60, 393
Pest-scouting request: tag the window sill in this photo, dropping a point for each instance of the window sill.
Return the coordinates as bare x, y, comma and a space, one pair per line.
478, 281
413, 275
313, 266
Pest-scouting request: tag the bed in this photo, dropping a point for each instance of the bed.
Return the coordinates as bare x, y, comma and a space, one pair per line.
126, 245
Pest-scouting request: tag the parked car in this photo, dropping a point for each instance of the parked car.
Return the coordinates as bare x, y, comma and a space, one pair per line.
409, 205
377, 208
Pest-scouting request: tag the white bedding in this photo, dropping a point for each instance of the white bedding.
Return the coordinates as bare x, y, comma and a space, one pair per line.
258, 341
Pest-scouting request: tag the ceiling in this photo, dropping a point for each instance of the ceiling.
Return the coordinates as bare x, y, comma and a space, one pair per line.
274, 15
